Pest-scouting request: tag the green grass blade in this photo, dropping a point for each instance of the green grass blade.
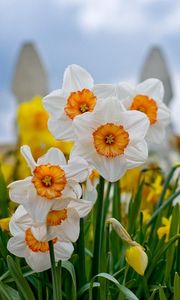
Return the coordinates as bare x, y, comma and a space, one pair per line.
70, 268
162, 296
124, 290
176, 286
21, 282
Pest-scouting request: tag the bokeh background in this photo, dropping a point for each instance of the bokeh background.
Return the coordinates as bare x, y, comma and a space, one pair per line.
111, 39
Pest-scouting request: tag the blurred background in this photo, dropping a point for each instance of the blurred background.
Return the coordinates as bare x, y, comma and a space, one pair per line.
115, 40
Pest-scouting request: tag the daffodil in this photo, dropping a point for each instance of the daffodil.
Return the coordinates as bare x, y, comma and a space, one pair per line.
77, 96
135, 255
52, 180
147, 97
111, 139
31, 242
4, 223
165, 229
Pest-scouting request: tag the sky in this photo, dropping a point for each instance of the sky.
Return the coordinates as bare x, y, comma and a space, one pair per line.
110, 38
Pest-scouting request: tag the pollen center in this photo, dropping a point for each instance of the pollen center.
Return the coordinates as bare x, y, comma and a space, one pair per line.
49, 181
56, 217
145, 105
80, 102
110, 140
34, 244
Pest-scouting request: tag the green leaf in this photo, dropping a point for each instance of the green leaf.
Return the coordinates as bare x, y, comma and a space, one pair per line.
4, 197
162, 296
125, 291
70, 268
171, 251
8, 292
86, 287
21, 282
176, 286
159, 254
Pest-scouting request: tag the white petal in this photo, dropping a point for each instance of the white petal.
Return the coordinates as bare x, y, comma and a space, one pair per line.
26, 152
76, 78
16, 245
20, 221
18, 190
135, 123
72, 190
55, 102
125, 90
68, 230
77, 169
61, 203
156, 133
38, 207
104, 90
38, 261
83, 207
54, 156
136, 154
163, 115
61, 127
63, 250
110, 168
151, 87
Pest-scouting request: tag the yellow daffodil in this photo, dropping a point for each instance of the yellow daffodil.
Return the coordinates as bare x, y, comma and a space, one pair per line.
135, 255
146, 215
164, 230
4, 223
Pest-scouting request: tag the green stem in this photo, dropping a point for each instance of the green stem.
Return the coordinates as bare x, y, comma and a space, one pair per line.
57, 295
164, 205
81, 254
98, 229
166, 185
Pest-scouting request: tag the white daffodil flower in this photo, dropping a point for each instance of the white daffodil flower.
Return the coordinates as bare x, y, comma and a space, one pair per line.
147, 97
64, 223
31, 242
52, 180
111, 139
77, 96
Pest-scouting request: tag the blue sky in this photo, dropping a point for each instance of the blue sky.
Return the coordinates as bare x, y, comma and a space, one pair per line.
109, 38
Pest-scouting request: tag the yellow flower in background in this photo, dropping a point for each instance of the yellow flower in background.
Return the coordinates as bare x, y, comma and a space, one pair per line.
146, 215
164, 230
4, 224
135, 255
33, 130
31, 116
129, 181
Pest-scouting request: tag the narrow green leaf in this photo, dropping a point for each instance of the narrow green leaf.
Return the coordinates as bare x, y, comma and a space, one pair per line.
8, 292
70, 268
86, 288
162, 296
176, 286
171, 251
125, 291
21, 282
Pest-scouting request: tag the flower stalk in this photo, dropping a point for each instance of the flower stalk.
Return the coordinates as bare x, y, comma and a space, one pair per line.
98, 229
57, 289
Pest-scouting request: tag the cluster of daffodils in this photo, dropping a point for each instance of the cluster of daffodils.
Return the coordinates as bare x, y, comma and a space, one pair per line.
110, 126
50, 209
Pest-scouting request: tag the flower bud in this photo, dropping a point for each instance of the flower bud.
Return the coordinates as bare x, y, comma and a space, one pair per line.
137, 258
